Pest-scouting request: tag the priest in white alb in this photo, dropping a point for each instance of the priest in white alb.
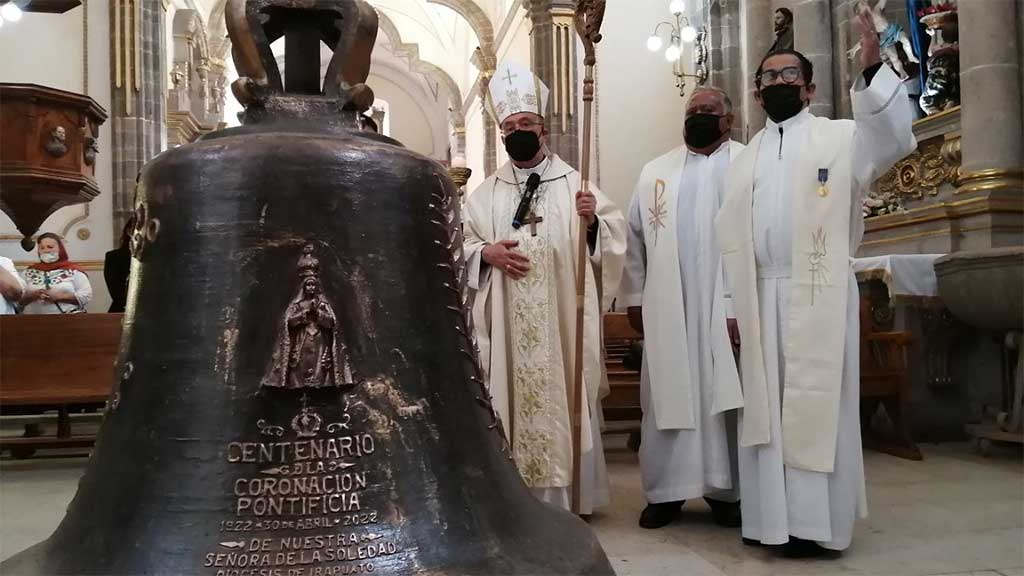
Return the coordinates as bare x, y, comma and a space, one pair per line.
521, 227
790, 222
673, 290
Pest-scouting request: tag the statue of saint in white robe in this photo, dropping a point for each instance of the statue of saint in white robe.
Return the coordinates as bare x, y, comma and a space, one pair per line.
789, 223
526, 328
673, 270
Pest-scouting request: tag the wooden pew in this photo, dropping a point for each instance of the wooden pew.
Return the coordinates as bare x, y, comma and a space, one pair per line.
64, 362
55, 362
622, 405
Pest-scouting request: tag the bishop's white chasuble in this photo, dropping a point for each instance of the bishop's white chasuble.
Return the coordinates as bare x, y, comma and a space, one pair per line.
689, 376
525, 328
789, 224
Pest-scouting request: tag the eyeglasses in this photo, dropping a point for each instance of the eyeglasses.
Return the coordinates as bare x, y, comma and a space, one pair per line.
524, 124
789, 75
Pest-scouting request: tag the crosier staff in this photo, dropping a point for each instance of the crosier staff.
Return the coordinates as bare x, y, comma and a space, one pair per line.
589, 15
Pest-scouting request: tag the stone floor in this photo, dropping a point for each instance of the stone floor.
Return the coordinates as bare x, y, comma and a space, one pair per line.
953, 513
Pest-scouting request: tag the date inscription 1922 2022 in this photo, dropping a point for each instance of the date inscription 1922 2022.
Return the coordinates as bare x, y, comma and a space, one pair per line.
317, 487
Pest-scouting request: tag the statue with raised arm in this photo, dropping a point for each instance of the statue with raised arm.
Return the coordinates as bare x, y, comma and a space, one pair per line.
889, 35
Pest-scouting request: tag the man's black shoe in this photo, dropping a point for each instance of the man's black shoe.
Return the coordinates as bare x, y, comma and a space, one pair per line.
660, 514
725, 513
800, 548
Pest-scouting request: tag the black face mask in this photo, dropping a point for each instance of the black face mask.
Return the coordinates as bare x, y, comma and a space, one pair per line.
522, 145
702, 130
782, 101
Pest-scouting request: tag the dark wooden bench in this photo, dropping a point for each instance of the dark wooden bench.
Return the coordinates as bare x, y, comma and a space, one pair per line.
55, 362
885, 381
622, 405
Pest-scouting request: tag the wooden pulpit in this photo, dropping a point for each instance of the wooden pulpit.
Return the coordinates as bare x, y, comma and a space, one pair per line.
48, 153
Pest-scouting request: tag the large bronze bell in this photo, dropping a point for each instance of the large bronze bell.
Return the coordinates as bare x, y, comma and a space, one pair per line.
299, 393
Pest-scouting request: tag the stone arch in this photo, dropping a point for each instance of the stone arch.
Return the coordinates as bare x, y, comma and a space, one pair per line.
195, 97
411, 52
395, 71
478, 22
218, 30
189, 28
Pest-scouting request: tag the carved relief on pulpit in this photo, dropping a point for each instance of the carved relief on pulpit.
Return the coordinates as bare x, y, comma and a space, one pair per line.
195, 101
57, 143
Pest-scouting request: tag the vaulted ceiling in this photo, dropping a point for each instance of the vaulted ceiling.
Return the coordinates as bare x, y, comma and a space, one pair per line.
424, 46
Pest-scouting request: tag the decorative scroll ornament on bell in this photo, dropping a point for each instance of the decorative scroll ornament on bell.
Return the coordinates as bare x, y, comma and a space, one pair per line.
298, 392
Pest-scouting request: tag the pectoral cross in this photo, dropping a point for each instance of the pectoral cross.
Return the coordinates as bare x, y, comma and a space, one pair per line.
532, 220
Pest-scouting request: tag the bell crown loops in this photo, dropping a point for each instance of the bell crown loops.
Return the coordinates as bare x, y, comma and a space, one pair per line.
347, 27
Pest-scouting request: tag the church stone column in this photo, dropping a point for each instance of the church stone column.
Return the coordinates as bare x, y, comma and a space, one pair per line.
756, 22
486, 64
490, 130
991, 146
726, 57
844, 36
812, 35
990, 86
138, 93
553, 55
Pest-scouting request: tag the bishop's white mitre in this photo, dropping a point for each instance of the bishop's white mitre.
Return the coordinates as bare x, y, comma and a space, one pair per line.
514, 89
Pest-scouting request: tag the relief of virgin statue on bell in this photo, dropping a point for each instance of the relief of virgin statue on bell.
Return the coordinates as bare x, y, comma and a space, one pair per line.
308, 353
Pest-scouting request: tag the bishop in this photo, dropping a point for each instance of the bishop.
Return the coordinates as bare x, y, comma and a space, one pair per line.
525, 300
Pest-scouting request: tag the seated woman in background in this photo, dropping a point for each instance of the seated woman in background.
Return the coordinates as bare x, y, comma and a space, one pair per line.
55, 285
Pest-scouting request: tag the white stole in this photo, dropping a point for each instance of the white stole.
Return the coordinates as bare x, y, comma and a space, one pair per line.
816, 314
666, 348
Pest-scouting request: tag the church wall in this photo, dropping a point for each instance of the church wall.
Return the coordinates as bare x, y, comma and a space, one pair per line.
409, 124
640, 113
48, 49
515, 44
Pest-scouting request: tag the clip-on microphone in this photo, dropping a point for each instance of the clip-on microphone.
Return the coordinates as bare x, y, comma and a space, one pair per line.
532, 183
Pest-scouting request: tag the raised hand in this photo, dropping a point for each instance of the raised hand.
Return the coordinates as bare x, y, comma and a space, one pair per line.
870, 51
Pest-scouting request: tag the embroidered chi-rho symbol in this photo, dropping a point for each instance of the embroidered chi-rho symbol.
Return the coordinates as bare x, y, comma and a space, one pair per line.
658, 213
822, 181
